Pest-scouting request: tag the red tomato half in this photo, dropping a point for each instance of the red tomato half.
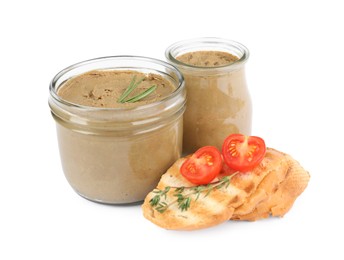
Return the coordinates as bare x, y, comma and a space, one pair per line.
243, 153
203, 166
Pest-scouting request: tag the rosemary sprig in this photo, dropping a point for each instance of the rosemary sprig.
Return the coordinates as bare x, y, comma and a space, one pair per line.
142, 95
132, 86
158, 202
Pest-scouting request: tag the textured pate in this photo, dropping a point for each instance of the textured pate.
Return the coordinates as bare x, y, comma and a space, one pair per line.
102, 88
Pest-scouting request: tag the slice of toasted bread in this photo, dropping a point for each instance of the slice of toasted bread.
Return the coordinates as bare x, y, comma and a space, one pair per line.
267, 186
205, 212
281, 199
220, 204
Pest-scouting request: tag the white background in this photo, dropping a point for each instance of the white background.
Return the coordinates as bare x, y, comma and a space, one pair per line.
295, 76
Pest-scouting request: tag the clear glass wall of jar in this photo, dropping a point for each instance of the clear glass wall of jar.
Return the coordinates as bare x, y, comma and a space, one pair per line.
218, 100
117, 155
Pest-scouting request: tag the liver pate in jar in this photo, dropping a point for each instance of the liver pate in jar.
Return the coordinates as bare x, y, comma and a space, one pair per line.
119, 125
218, 100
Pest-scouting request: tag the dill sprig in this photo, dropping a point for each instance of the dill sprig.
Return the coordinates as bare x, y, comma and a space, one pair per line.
184, 194
132, 86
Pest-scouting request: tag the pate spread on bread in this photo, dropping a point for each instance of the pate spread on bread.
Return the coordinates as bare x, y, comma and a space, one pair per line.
268, 189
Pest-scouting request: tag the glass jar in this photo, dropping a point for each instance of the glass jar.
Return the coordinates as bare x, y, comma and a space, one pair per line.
218, 100
117, 155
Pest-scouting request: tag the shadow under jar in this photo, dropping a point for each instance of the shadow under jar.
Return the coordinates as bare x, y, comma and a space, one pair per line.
114, 151
218, 100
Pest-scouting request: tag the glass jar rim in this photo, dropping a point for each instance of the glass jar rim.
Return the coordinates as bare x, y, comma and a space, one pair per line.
206, 43
54, 82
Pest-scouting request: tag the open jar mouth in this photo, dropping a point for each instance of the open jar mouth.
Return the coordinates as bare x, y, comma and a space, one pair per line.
207, 44
127, 62
115, 119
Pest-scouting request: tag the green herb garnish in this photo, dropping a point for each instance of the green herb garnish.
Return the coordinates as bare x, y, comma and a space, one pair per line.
183, 198
132, 86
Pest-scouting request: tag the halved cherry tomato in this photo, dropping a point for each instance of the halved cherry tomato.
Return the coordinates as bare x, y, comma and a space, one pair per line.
243, 153
203, 166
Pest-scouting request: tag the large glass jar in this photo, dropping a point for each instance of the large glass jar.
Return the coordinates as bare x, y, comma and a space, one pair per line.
117, 155
218, 100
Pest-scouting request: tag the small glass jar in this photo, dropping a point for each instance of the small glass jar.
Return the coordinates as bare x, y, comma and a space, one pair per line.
117, 155
218, 100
